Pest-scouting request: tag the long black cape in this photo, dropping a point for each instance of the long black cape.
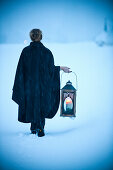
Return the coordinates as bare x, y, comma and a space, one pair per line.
36, 87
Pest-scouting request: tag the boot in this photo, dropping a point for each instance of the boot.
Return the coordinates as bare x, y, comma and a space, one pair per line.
40, 132
33, 128
33, 131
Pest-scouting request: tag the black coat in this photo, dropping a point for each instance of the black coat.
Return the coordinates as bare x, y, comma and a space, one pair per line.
36, 87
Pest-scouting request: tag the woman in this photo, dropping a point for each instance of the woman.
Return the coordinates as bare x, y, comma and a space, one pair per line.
36, 87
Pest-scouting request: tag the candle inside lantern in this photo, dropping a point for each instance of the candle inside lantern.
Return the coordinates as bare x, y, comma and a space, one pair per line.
68, 101
68, 104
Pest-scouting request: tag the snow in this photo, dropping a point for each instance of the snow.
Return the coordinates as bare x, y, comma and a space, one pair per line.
81, 143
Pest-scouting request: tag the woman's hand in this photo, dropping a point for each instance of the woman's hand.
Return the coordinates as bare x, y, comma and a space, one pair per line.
65, 69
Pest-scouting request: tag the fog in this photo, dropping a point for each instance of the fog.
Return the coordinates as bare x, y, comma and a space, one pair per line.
61, 21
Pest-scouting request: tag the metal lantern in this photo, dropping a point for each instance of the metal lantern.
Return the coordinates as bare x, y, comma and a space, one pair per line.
68, 100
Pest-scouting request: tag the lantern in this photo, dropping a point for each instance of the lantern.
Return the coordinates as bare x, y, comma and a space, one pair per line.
68, 100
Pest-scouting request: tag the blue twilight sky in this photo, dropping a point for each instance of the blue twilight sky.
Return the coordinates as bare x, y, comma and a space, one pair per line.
62, 21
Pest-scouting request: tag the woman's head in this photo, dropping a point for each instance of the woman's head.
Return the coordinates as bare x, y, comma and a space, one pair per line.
36, 34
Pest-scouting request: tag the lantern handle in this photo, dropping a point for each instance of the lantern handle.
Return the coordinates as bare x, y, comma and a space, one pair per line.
75, 76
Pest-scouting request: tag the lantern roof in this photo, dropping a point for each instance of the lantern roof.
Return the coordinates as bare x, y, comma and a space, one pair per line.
68, 86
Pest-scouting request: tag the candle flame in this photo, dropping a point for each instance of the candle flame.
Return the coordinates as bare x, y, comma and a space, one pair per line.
68, 101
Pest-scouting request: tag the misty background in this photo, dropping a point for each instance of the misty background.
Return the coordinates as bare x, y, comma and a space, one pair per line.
63, 21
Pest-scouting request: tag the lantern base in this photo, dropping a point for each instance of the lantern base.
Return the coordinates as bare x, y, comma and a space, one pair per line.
65, 115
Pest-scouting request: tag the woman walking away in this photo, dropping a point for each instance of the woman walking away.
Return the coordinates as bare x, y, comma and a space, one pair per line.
36, 87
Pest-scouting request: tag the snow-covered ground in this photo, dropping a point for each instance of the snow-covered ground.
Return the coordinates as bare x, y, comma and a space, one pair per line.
83, 143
